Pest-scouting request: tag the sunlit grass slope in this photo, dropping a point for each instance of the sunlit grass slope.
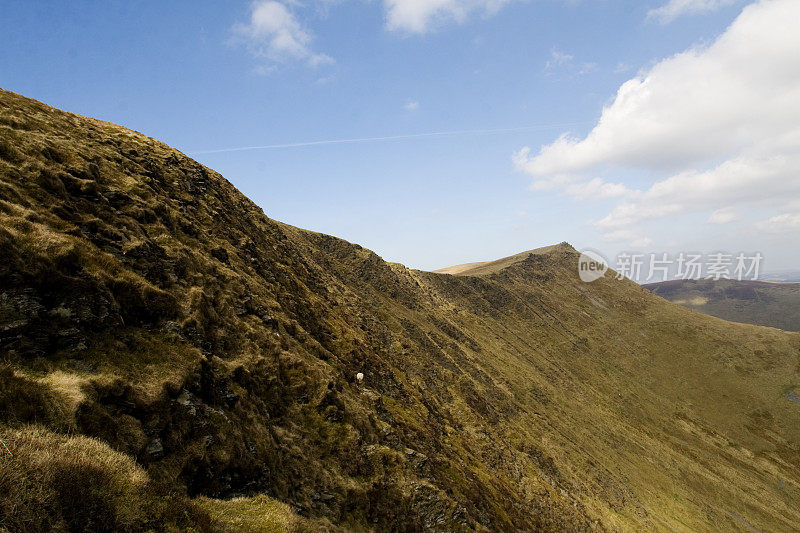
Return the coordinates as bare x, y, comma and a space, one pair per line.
200, 359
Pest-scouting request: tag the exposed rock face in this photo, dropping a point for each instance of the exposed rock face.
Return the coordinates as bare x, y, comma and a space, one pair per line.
221, 350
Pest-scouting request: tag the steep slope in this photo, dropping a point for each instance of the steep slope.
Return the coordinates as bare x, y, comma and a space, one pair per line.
149, 307
752, 302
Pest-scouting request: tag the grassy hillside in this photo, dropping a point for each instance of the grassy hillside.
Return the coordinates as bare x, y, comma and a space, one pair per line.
751, 302
198, 362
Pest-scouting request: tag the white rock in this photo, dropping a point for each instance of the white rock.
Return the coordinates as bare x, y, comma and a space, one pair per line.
360, 376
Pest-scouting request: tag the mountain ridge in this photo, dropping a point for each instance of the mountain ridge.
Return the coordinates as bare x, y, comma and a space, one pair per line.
152, 317
479, 268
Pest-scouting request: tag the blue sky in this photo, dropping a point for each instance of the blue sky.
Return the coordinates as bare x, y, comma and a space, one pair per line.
206, 76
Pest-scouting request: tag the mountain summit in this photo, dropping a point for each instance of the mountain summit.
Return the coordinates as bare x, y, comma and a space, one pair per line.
490, 267
173, 359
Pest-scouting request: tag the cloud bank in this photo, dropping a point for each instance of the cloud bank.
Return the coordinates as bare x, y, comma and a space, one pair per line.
717, 126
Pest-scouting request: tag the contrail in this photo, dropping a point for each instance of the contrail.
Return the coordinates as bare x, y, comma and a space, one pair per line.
389, 138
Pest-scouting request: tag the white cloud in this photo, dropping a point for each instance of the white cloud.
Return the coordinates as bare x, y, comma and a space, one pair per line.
420, 16
622, 67
761, 178
722, 216
565, 64
264, 70
780, 223
676, 8
324, 80
558, 57
597, 189
411, 105
632, 238
714, 126
274, 33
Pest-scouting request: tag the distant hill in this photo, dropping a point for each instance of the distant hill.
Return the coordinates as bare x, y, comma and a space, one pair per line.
751, 302
783, 276
172, 359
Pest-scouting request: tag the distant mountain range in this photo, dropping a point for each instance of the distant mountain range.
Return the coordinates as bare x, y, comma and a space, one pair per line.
784, 276
751, 302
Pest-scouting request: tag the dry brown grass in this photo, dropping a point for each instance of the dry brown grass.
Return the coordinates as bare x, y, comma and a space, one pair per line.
517, 399
26, 400
58, 483
259, 514
70, 386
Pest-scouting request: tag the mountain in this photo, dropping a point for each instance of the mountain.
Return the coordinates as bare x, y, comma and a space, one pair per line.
784, 276
490, 267
752, 302
173, 359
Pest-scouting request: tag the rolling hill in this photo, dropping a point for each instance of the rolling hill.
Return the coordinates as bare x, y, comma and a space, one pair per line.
173, 359
751, 302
